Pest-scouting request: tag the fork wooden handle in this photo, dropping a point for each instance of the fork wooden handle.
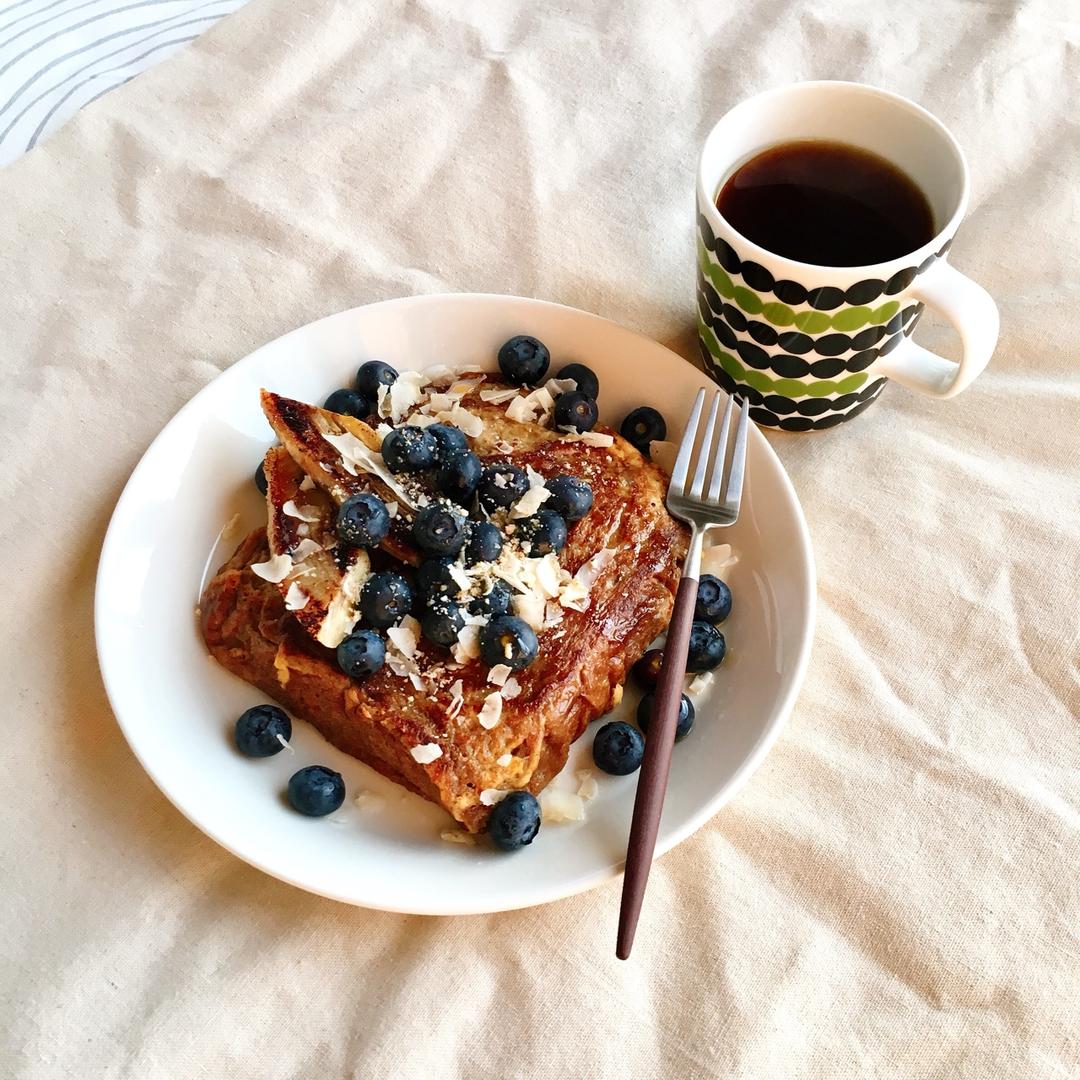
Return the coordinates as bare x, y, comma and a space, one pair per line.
652, 785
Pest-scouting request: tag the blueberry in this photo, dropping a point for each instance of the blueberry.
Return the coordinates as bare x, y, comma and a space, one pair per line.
647, 669
707, 647
485, 543
372, 375
409, 449
713, 600
515, 821
258, 729
361, 654
587, 382
458, 475
544, 532
441, 622
618, 748
434, 578
316, 790
508, 640
682, 726
449, 438
643, 426
440, 530
260, 478
570, 497
349, 403
496, 601
362, 520
385, 598
524, 360
575, 412
501, 486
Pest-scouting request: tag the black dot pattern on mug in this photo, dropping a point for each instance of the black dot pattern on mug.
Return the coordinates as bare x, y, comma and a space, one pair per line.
805, 414
799, 358
826, 298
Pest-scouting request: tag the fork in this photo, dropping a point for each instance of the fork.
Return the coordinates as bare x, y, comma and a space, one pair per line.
700, 510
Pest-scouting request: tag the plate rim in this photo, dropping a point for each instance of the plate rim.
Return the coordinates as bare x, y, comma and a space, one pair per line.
548, 894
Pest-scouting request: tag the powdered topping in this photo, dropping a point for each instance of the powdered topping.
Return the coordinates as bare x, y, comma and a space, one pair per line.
489, 715
427, 753
275, 569
296, 599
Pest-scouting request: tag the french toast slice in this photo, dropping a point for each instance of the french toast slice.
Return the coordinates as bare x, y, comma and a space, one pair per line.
429, 720
322, 589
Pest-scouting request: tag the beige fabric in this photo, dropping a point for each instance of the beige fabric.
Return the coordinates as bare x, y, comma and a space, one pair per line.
895, 893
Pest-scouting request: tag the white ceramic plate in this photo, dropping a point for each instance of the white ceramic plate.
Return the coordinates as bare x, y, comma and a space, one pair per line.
177, 707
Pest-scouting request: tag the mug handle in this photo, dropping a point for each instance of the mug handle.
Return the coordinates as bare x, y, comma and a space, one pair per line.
974, 315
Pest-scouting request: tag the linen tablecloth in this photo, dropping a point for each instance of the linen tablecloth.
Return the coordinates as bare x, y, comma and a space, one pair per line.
895, 892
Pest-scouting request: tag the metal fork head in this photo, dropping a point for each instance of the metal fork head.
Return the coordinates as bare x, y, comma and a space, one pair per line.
688, 499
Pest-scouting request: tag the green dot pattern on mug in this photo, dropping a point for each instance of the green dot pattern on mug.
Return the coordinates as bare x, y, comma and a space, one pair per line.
777, 314
766, 384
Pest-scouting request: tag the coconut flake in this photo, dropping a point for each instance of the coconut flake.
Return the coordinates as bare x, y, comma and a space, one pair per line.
548, 574
355, 454
716, 560
663, 455
511, 689
392, 509
497, 397
303, 513
465, 421
592, 438
557, 387
459, 577
285, 744
557, 806
498, 675
307, 484
304, 549
700, 683
553, 614
406, 392
457, 699
530, 502
505, 760
438, 375
458, 836
368, 800
530, 608
490, 796
275, 569
587, 786
521, 410
468, 644
543, 400
382, 400
296, 599
504, 447
427, 753
489, 715
404, 639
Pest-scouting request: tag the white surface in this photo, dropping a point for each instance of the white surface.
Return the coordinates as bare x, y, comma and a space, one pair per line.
58, 55
177, 707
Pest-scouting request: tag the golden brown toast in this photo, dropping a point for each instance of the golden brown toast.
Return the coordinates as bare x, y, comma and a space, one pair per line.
628, 547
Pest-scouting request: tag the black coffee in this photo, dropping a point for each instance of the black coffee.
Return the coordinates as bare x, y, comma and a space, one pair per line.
827, 203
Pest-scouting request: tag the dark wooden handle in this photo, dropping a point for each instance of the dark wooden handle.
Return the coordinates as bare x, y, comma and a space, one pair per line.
652, 783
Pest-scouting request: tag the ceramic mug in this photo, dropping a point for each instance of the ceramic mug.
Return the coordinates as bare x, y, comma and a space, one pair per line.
812, 346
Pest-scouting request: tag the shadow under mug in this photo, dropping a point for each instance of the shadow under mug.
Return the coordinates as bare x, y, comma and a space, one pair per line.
812, 346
